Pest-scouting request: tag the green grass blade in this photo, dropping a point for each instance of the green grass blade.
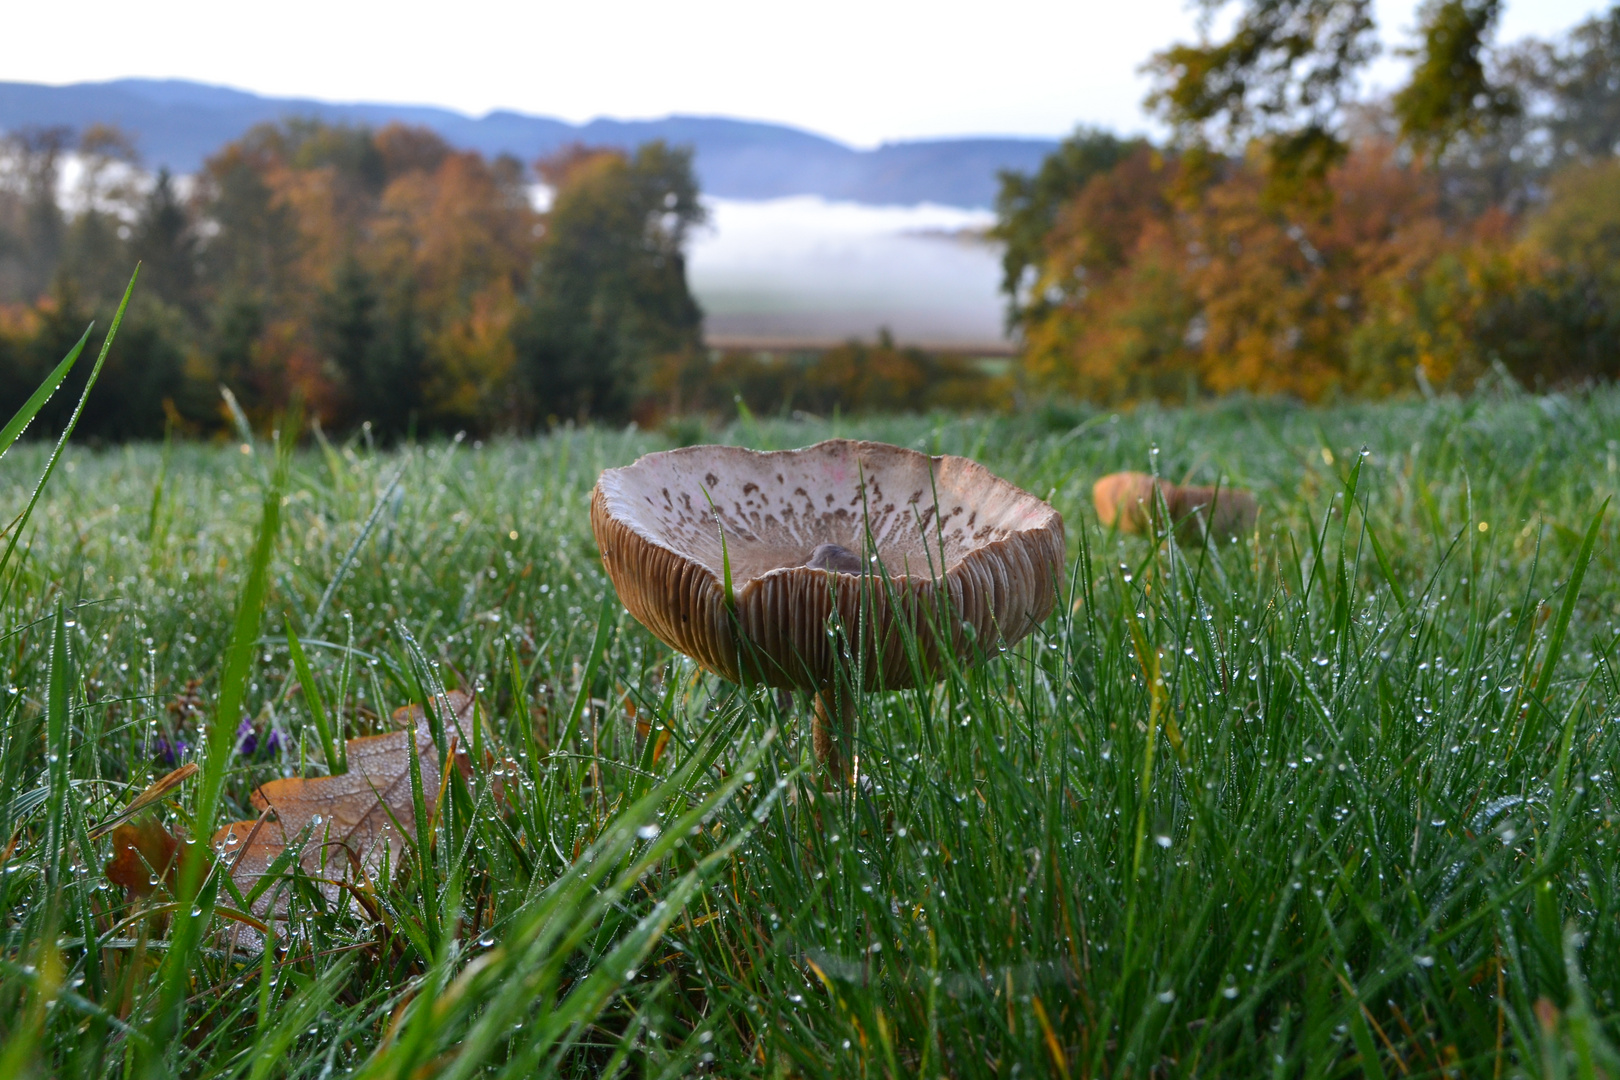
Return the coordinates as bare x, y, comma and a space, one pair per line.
604, 626
1572, 592
16, 527
336, 757
347, 562
155, 508
30, 408
219, 744
58, 706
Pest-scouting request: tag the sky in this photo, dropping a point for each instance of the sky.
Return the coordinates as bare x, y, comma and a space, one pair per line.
863, 71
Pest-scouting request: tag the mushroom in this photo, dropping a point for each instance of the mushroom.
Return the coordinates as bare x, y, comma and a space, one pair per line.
849, 563
1128, 499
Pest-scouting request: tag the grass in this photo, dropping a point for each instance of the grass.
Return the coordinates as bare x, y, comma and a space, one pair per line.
1336, 801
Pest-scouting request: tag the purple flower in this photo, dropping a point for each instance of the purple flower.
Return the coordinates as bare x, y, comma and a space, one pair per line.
274, 741
169, 753
247, 740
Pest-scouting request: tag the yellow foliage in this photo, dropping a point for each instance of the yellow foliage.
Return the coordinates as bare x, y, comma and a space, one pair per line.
472, 356
1160, 281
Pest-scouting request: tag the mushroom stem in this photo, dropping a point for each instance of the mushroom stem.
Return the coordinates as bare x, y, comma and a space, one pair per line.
832, 727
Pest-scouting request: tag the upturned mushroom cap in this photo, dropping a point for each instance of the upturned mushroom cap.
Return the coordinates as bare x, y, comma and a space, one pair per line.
1127, 499
890, 533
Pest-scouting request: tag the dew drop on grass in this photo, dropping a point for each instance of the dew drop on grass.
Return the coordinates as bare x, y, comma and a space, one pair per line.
648, 832
1162, 840
1167, 997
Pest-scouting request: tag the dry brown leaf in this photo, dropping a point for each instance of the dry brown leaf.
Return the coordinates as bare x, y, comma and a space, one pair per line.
355, 820
143, 854
143, 850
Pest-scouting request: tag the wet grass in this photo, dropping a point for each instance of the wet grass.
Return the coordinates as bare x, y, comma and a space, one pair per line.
1338, 799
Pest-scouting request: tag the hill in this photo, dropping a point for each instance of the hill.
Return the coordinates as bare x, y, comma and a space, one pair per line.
177, 124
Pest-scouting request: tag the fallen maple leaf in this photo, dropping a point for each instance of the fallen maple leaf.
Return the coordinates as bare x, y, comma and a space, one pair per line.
143, 850
344, 827
143, 854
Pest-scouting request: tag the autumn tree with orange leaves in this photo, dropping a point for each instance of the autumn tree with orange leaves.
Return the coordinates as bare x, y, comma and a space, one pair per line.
1289, 243
377, 274
383, 277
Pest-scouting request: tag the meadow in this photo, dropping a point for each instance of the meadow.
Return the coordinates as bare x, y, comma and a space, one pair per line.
1337, 799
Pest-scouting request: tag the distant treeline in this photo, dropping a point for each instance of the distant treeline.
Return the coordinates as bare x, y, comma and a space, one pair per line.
1470, 224
384, 278
1288, 239
379, 275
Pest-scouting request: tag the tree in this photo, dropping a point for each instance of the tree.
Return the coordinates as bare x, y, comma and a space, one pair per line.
1154, 294
453, 248
143, 370
1562, 321
1117, 312
255, 244
165, 244
1027, 208
1286, 75
95, 252
610, 291
1450, 93
32, 226
375, 342
1282, 77
1583, 79
379, 273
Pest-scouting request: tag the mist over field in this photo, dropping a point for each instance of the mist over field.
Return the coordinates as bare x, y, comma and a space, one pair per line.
808, 268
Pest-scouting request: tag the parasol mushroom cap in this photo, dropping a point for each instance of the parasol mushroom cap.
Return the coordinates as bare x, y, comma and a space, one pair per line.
888, 543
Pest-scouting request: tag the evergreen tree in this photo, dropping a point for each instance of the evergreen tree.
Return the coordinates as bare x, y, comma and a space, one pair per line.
375, 346
164, 243
610, 285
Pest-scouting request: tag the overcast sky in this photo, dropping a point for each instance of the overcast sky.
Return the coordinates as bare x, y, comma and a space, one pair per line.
860, 70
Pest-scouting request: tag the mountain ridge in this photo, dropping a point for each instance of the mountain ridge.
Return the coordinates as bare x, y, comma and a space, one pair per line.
177, 123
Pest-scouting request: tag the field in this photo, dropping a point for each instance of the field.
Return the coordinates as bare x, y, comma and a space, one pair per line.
1338, 799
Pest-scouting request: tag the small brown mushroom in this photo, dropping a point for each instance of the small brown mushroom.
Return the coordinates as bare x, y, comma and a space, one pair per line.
1132, 500
850, 564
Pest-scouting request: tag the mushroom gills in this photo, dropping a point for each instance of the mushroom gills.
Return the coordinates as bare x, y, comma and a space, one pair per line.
797, 534
835, 557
